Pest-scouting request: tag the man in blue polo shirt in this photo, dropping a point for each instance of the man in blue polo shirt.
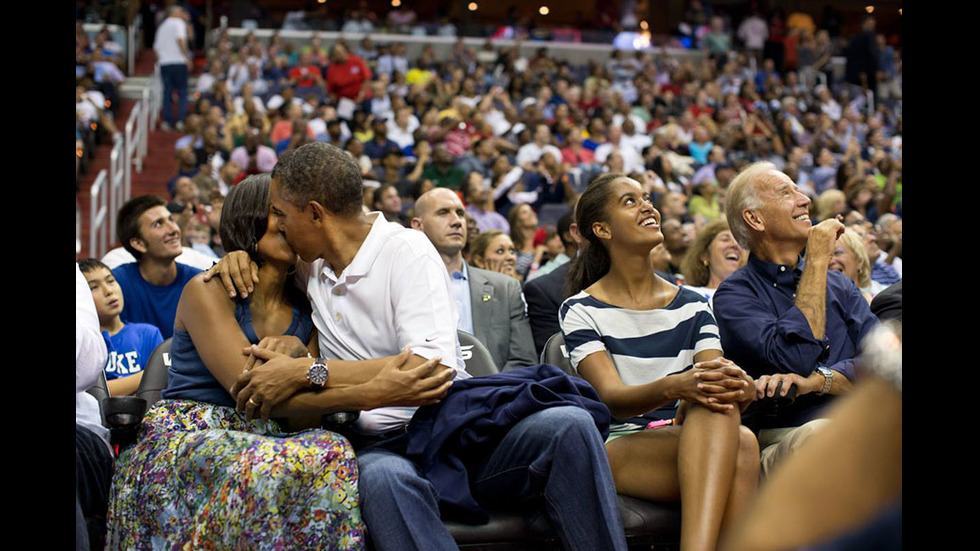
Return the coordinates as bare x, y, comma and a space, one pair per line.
784, 317
152, 285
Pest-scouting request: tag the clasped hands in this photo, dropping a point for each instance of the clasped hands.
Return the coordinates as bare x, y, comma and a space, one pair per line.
276, 368
718, 385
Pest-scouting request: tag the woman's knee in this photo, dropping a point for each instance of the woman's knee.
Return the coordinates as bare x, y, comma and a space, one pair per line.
748, 450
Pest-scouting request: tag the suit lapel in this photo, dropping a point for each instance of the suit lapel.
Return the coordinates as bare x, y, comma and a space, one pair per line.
481, 300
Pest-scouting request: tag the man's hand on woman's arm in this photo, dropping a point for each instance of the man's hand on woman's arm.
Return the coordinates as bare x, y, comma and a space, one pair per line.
238, 273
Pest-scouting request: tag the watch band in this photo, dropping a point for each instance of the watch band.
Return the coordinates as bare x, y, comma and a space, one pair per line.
828, 375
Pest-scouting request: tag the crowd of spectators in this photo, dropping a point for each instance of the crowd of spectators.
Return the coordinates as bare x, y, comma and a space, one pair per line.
518, 139
504, 130
98, 70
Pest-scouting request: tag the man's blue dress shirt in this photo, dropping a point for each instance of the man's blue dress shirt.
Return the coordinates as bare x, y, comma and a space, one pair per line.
764, 332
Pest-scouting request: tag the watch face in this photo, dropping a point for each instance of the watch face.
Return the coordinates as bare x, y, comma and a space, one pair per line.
317, 374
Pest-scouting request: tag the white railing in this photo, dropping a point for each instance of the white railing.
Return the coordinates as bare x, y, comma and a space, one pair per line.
142, 118
156, 99
114, 186
131, 149
118, 181
144, 127
98, 212
132, 35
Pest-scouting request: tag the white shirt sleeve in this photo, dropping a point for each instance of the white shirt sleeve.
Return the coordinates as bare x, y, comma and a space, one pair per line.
90, 351
425, 313
508, 182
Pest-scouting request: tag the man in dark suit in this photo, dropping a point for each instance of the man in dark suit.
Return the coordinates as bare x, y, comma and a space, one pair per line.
491, 305
544, 297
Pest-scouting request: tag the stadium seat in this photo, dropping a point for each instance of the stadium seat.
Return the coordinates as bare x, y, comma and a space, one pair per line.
120, 414
476, 357
156, 374
554, 353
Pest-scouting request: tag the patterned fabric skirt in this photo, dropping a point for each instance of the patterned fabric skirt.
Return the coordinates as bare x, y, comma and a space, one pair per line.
201, 477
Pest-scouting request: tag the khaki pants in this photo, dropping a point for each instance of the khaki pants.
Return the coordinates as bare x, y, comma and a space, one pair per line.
778, 444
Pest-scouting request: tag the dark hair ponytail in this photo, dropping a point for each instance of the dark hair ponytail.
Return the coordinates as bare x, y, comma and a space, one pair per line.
592, 262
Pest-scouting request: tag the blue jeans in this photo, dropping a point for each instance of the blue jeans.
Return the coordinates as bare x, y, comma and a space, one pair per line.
401, 508
93, 476
174, 77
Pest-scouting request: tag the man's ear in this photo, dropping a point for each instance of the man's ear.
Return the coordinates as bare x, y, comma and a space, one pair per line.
753, 219
138, 244
601, 230
417, 224
317, 212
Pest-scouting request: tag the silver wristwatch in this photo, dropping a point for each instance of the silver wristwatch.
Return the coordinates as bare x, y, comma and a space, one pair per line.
828, 378
318, 373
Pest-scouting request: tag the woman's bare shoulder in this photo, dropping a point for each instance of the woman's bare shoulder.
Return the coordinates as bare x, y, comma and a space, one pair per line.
201, 296
209, 290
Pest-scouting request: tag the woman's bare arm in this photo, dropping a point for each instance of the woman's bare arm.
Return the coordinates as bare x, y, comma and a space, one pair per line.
628, 400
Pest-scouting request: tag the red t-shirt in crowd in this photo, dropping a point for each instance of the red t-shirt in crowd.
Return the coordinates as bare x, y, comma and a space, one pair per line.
305, 75
345, 79
458, 142
540, 236
698, 111
569, 156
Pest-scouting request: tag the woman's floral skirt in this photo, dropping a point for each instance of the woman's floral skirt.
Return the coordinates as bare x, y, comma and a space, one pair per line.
201, 477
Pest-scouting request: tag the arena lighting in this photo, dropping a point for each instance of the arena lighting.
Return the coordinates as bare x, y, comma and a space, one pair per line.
899, 11
869, 9
644, 25
396, 3
473, 6
321, 1
543, 10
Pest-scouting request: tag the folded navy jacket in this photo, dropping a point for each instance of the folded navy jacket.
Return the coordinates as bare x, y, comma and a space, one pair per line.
448, 439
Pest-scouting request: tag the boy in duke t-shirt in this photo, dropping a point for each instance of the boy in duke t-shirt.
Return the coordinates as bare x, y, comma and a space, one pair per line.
129, 344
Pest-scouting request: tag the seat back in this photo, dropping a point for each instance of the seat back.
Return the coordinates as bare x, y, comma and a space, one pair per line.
555, 353
101, 391
476, 356
156, 374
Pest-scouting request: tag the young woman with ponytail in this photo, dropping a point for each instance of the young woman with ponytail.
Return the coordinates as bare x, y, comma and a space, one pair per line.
652, 351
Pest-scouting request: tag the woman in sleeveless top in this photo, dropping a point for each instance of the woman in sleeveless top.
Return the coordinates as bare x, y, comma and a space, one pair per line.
647, 346
204, 476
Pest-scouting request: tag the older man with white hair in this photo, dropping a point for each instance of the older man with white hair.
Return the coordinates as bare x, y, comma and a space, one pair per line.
784, 317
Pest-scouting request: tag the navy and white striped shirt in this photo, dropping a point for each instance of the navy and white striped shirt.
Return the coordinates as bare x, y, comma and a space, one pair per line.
644, 345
